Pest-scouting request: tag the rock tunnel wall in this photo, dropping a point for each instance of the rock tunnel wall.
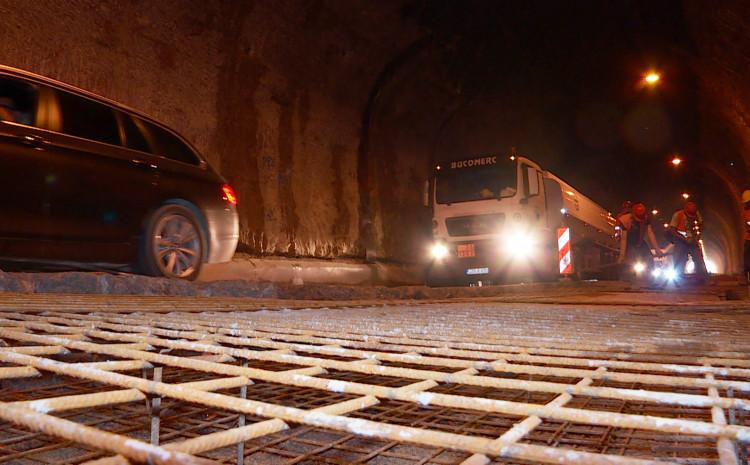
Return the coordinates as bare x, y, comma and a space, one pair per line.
722, 64
270, 91
326, 116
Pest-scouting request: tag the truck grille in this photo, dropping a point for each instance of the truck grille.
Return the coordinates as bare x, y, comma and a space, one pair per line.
475, 224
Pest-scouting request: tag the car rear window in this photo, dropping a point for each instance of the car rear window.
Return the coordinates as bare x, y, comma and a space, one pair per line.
88, 119
17, 101
162, 142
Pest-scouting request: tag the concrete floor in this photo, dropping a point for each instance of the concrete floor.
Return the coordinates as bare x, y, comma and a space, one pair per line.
603, 374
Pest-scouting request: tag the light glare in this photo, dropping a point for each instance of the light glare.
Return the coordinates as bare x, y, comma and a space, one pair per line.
439, 251
639, 267
652, 78
519, 244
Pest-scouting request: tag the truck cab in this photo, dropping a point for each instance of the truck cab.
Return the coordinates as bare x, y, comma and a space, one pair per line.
495, 219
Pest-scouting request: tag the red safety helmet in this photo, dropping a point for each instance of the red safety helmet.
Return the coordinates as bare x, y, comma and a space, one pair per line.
639, 211
691, 209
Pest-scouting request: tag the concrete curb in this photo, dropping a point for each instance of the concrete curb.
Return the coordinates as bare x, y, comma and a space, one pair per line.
126, 284
305, 270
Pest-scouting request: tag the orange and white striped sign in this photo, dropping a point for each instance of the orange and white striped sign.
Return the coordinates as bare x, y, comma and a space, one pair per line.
563, 248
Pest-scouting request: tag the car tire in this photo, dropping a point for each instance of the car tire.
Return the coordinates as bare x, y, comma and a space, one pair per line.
173, 243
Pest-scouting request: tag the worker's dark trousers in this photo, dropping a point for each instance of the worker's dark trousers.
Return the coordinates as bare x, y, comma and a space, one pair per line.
747, 257
639, 253
636, 254
681, 252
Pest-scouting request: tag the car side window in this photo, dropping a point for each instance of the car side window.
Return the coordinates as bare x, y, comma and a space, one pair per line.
135, 137
87, 119
18, 101
165, 144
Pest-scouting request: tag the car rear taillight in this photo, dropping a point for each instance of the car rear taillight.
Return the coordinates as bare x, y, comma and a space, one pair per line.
228, 194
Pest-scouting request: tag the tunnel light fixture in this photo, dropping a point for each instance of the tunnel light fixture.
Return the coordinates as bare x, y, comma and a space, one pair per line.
685, 195
676, 161
666, 225
654, 211
651, 78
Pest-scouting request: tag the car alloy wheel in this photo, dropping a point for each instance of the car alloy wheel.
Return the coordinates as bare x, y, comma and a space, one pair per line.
177, 246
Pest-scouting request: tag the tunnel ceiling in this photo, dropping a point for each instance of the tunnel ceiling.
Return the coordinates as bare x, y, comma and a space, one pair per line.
327, 116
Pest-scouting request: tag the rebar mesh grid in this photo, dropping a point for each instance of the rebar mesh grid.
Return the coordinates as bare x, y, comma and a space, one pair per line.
432, 384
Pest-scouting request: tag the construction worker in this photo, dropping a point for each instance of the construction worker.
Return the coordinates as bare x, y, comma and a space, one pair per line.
623, 217
685, 232
746, 224
638, 238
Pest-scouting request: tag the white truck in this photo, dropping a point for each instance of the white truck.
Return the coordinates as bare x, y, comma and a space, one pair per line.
499, 218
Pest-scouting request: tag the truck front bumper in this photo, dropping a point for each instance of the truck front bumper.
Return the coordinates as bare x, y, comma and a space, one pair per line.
492, 264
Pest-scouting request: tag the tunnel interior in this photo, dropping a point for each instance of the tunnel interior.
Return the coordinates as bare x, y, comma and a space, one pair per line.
328, 116
570, 95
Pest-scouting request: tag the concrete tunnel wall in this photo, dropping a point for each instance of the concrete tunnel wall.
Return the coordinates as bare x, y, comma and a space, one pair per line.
325, 115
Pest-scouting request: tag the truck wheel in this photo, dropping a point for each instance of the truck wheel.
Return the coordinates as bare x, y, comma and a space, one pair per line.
173, 244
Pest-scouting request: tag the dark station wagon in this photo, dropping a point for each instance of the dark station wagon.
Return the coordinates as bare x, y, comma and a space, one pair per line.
86, 182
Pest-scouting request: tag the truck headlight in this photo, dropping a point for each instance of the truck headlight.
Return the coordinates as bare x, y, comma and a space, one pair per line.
439, 251
519, 244
639, 268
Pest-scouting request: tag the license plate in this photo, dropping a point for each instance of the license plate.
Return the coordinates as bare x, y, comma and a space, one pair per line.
465, 250
471, 271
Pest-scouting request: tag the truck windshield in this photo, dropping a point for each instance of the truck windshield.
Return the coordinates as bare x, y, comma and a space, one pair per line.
477, 183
